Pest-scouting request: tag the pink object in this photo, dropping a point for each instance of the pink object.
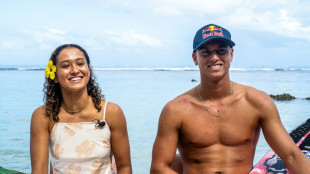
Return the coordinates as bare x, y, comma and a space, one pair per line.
271, 162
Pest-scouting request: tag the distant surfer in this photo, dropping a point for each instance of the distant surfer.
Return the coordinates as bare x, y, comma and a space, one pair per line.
216, 125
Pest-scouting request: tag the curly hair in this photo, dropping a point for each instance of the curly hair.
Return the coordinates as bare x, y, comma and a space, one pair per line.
53, 97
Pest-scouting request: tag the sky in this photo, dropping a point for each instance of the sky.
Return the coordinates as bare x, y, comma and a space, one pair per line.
154, 33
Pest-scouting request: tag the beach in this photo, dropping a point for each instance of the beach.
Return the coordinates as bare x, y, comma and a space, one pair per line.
141, 93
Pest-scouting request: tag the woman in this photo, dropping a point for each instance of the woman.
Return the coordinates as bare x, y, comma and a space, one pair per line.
76, 124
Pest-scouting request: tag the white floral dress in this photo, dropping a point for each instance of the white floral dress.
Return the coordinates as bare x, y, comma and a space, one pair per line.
81, 148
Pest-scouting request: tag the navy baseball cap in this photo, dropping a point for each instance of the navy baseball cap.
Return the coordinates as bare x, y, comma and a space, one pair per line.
211, 32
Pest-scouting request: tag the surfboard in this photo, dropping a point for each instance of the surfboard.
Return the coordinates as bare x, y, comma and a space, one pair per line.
271, 163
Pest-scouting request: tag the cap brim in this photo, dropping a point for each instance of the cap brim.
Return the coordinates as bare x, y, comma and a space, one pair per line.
229, 42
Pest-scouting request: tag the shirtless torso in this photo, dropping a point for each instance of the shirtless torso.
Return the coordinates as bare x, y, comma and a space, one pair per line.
224, 144
217, 145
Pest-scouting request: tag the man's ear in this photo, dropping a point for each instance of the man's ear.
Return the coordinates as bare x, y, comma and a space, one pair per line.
231, 54
194, 56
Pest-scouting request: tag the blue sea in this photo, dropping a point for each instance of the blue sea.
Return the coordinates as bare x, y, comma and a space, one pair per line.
142, 93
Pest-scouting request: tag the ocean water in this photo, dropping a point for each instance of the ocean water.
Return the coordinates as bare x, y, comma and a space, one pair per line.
142, 93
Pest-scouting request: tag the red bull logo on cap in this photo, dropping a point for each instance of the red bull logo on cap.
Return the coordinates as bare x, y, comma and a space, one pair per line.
213, 31
211, 28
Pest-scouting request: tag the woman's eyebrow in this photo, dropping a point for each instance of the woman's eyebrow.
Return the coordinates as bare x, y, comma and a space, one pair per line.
80, 58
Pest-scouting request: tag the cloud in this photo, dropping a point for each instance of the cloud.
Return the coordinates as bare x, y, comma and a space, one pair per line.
12, 44
186, 7
129, 40
92, 43
283, 21
281, 17
46, 39
47, 35
31, 39
167, 11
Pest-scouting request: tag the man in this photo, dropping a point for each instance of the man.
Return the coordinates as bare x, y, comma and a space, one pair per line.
216, 125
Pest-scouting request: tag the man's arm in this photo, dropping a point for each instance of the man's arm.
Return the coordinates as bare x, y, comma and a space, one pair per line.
166, 141
279, 140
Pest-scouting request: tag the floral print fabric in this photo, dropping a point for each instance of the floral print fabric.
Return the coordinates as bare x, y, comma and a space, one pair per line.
78, 148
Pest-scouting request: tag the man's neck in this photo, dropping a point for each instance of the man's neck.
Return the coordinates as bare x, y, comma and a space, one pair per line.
215, 89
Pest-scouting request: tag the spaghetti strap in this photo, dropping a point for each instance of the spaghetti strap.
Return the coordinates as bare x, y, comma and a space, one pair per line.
105, 108
107, 171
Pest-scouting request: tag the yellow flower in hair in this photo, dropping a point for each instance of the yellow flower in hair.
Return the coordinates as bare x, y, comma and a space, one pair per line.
50, 70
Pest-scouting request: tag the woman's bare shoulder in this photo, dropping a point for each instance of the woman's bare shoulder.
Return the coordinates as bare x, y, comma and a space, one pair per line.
112, 108
114, 114
39, 113
39, 119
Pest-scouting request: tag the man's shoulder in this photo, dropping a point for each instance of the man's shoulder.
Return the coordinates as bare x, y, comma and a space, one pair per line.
182, 100
249, 91
252, 95
180, 104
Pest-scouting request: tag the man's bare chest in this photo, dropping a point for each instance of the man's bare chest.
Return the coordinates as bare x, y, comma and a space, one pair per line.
207, 131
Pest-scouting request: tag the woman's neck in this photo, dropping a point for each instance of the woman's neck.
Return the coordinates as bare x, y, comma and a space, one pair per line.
75, 101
